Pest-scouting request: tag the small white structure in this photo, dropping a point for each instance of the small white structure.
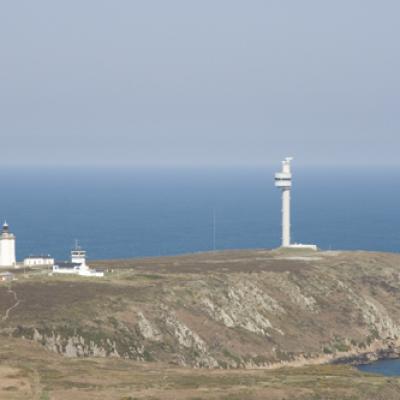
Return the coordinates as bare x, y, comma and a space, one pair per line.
66, 268
77, 265
283, 181
7, 248
34, 261
302, 246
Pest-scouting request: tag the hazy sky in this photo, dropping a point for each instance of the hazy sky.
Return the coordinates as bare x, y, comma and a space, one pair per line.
199, 82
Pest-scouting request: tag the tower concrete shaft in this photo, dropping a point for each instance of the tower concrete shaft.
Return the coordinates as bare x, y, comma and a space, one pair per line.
283, 181
285, 217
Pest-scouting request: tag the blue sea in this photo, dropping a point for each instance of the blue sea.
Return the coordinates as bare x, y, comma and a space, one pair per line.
136, 212
389, 367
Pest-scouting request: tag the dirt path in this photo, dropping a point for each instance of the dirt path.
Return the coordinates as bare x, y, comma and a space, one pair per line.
17, 301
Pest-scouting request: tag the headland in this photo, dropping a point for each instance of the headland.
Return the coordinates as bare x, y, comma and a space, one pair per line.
236, 310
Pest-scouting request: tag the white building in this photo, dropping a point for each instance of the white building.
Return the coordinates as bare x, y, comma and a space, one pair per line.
66, 268
34, 261
7, 248
283, 181
77, 265
78, 256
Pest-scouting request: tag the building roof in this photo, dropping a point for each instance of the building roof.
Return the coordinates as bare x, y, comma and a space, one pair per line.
42, 256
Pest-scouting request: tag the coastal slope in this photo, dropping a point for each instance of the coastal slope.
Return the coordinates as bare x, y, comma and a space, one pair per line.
233, 309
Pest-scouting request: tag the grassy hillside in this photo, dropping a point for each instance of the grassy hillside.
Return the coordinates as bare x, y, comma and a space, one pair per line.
28, 372
228, 313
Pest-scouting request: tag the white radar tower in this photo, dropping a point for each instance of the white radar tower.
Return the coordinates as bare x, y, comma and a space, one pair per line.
283, 180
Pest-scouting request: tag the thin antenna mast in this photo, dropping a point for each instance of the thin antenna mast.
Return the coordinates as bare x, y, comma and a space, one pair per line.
214, 230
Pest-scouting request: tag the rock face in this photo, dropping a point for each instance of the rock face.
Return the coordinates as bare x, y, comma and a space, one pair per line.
239, 309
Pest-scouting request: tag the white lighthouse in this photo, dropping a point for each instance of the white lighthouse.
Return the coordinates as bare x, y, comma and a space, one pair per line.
7, 248
283, 181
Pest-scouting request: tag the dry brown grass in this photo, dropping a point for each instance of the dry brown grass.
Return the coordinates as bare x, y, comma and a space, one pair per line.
29, 372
